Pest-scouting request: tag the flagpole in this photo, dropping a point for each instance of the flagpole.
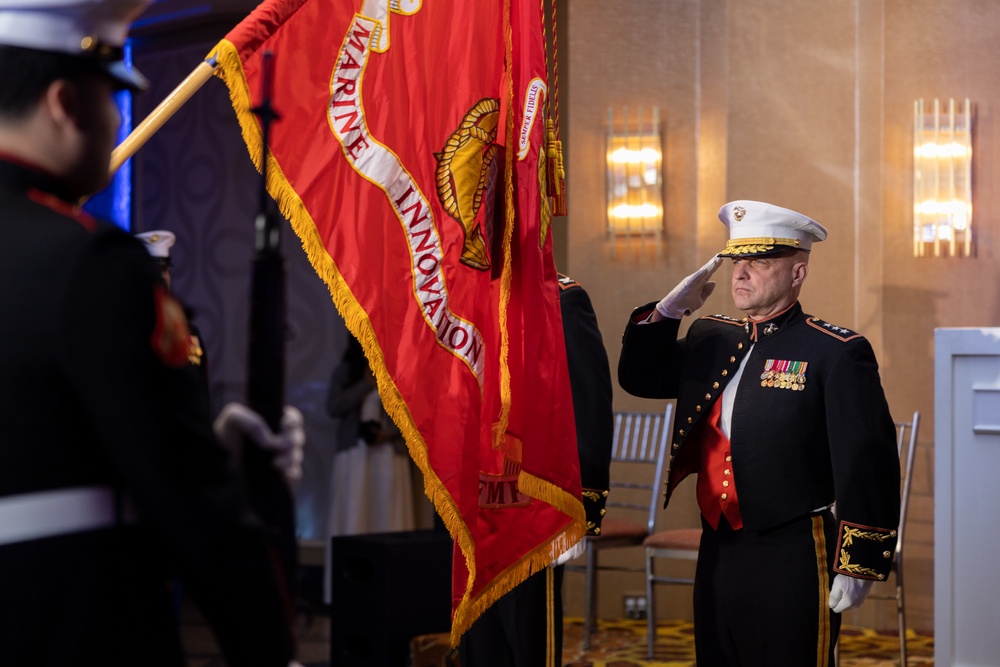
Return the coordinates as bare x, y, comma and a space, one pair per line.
162, 113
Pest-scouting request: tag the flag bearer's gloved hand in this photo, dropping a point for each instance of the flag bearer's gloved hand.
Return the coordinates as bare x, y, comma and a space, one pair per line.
236, 422
848, 592
574, 551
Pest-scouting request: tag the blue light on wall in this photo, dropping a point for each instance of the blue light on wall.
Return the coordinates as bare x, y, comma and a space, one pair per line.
114, 202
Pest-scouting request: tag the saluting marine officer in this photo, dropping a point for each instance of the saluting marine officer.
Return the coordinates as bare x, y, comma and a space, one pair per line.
110, 484
781, 415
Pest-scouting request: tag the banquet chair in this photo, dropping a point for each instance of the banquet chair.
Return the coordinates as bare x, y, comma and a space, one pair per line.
637, 466
906, 443
675, 543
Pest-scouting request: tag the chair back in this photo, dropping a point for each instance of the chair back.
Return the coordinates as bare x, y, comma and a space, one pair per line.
640, 448
906, 445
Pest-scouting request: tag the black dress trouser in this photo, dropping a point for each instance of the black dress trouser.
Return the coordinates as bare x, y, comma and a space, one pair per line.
761, 598
514, 631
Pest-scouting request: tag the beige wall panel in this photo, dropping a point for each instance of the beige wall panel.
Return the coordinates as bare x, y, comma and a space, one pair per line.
791, 127
639, 53
807, 105
942, 50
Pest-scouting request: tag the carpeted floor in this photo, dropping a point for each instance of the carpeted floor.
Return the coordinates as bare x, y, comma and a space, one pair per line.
623, 644
616, 644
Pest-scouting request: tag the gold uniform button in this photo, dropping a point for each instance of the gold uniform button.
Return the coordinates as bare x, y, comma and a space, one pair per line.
690, 421
603, 511
725, 372
708, 397
732, 360
715, 385
886, 554
729, 457
725, 483
725, 495
727, 472
675, 445
739, 346
697, 408
681, 432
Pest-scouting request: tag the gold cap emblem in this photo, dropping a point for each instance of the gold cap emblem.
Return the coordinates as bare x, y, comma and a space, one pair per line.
739, 212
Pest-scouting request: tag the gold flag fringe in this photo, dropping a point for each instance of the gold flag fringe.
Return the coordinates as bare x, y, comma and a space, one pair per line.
550, 493
537, 560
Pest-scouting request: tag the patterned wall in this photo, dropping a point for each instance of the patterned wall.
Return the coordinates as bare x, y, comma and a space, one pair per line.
195, 178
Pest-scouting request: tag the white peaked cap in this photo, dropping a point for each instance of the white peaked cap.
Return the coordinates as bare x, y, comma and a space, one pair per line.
158, 242
758, 228
87, 28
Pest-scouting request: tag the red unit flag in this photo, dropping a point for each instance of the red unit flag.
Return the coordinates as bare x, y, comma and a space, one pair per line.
409, 160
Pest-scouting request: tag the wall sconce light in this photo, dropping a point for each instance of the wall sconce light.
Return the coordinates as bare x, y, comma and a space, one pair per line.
942, 178
634, 162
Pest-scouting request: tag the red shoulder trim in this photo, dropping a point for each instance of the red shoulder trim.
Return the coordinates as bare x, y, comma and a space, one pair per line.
565, 283
61, 207
725, 319
171, 339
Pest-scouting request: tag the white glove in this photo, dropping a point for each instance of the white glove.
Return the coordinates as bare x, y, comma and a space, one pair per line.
236, 422
848, 592
691, 293
574, 551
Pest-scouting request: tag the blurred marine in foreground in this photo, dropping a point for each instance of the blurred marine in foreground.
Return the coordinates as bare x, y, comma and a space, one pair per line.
111, 481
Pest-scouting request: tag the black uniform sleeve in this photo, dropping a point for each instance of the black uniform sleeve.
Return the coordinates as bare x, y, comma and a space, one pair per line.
865, 464
590, 381
651, 356
160, 444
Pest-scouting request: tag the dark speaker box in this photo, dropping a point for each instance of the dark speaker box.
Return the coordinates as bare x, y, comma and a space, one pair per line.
386, 589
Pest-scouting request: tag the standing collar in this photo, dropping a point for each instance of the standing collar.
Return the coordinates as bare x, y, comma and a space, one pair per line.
763, 328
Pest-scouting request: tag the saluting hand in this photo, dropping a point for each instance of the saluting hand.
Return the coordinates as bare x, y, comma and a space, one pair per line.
690, 293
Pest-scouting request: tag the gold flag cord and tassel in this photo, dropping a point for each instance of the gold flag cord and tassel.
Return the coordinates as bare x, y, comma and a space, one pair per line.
555, 170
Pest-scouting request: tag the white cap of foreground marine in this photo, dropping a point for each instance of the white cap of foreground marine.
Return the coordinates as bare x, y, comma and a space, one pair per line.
89, 29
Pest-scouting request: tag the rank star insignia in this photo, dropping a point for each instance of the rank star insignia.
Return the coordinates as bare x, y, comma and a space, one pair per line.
839, 333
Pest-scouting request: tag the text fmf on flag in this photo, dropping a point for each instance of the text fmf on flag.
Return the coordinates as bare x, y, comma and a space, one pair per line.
410, 161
